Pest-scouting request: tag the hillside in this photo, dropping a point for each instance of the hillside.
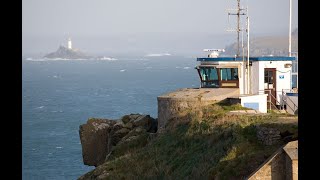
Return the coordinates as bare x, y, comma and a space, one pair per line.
210, 143
268, 45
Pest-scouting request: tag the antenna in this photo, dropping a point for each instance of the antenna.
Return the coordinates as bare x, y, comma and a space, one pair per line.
290, 15
238, 12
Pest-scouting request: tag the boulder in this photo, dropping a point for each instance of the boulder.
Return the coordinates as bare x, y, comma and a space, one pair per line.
116, 136
144, 121
94, 137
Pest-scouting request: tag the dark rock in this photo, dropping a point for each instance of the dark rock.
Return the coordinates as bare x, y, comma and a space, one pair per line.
154, 125
125, 119
94, 137
118, 135
143, 121
65, 53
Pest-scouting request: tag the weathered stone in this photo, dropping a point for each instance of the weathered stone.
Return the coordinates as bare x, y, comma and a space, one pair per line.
125, 119
118, 135
94, 137
268, 136
128, 125
117, 126
143, 121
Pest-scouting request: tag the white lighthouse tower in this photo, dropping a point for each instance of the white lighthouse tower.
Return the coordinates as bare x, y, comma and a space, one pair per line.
69, 43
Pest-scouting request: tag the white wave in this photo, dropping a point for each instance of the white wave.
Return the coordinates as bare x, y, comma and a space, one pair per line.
55, 76
108, 58
186, 67
59, 147
149, 67
40, 107
122, 70
158, 55
177, 67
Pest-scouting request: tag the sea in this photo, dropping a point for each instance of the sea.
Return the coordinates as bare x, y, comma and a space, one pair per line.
60, 95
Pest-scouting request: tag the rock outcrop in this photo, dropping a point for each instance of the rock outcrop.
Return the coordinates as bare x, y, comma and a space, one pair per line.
99, 137
65, 53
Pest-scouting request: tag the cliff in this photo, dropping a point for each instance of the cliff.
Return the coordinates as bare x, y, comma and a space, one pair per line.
65, 53
205, 143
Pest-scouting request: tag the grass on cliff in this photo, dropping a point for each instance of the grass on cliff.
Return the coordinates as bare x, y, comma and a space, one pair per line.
205, 144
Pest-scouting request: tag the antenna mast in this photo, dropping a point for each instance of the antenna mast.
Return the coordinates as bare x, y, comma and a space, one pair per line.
238, 14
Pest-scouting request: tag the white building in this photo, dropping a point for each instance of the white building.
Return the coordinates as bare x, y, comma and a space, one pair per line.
69, 43
261, 88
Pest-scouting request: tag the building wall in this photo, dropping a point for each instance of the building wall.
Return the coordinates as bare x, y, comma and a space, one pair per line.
255, 75
260, 100
282, 83
241, 71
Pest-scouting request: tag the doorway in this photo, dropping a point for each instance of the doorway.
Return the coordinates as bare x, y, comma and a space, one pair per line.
270, 86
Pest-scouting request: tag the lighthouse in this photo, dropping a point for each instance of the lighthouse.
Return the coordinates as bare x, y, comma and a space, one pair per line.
69, 43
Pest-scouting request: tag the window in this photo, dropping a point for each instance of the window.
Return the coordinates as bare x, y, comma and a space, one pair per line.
208, 74
228, 74
294, 81
210, 78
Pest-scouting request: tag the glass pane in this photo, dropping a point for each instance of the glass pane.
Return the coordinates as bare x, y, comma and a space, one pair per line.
270, 73
229, 74
234, 72
294, 81
213, 74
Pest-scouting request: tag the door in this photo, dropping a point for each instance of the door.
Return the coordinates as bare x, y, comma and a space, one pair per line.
270, 86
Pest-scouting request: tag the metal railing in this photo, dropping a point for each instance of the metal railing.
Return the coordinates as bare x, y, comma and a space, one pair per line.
285, 98
270, 98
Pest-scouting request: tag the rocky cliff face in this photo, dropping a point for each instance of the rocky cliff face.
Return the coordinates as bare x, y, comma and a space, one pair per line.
100, 137
65, 53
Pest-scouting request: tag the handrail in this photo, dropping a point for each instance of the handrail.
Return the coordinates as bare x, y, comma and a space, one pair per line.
271, 96
294, 105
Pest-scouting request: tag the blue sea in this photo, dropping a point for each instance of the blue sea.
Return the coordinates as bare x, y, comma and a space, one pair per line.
60, 95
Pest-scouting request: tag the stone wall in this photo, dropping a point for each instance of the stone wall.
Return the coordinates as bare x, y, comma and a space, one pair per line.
280, 165
178, 103
268, 136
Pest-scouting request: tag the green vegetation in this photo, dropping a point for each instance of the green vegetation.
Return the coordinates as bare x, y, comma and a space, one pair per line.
205, 144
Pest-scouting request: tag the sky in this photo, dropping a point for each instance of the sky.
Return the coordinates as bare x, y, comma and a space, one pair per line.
114, 26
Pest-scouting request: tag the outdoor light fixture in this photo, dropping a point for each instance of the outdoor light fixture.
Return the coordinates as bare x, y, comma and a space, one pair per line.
287, 65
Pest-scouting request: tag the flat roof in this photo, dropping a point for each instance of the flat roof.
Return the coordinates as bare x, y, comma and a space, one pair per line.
261, 58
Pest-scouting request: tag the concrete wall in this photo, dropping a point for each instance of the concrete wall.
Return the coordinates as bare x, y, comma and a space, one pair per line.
178, 103
172, 107
280, 166
261, 100
272, 170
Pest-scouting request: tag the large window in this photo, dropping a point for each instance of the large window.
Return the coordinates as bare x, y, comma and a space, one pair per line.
229, 74
209, 77
218, 77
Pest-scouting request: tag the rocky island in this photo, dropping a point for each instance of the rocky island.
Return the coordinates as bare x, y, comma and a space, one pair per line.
67, 53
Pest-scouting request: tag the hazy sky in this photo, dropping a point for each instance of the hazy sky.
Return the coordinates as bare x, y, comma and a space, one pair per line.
47, 23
